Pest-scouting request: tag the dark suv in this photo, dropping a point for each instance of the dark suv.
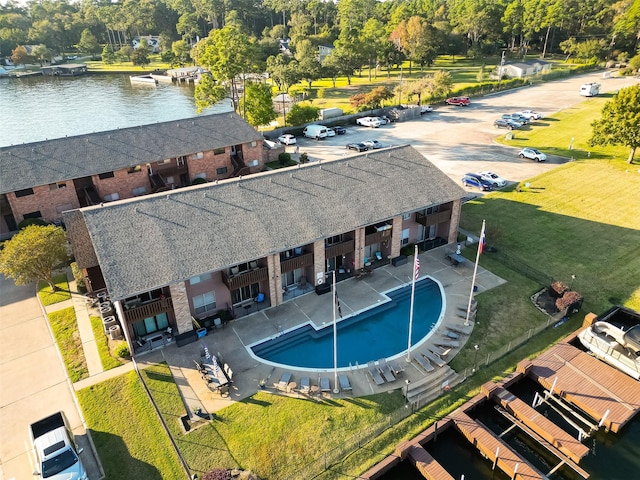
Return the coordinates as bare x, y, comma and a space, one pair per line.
475, 180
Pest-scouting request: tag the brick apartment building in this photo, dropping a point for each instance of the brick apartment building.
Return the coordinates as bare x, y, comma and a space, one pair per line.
43, 179
197, 252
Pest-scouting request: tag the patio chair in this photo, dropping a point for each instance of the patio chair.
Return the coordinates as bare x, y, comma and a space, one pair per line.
325, 384
345, 384
379, 256
284, 381
385, 370
440, 351
227, 372
452, 335
397, 371
434, 358
374, 373
305, 385
423, 362
445, 342
302, 283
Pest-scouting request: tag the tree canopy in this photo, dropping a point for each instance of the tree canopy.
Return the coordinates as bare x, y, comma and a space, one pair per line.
33, 253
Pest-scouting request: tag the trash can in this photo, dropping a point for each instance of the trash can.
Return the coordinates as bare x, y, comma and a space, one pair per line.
201, 332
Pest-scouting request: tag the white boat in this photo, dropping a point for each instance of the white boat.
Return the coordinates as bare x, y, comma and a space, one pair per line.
617, 347
143, 80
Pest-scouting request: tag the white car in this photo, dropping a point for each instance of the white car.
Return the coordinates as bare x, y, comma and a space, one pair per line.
425, 109
530, 114
331, 132
532, 154
375, 144
287, 139
493, 178
373, 122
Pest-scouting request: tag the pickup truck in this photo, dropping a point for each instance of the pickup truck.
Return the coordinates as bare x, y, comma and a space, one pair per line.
57, 456
458, 101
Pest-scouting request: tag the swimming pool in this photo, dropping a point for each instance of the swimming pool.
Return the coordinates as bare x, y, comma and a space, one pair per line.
381, 332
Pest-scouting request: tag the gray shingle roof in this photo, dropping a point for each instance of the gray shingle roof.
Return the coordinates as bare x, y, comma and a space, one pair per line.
41, 163
161, 239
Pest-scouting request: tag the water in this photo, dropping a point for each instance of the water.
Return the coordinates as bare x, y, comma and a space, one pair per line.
40, 108
381, 332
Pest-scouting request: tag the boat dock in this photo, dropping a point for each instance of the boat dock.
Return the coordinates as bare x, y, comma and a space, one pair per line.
607, 395
426, 464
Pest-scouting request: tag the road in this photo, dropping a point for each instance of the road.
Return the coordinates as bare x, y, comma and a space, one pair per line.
460, 139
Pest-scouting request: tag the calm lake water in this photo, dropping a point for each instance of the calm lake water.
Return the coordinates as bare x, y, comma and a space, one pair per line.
40, 108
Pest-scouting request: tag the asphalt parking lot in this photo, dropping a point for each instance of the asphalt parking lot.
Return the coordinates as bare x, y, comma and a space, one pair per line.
460, 139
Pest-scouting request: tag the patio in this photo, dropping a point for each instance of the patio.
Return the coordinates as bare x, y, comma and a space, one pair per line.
250, 375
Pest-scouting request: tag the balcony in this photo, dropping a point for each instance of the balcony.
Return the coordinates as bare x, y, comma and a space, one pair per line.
301, 261
339, 249
377, 237
147, 310
243, 279
433, 218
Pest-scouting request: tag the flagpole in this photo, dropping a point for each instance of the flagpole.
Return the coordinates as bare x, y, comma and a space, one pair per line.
413, 291
335, 339
475, 270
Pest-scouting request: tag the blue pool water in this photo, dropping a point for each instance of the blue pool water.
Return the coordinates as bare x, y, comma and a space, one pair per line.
379, 332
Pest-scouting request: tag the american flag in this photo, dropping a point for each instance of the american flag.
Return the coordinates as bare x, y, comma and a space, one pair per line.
417, 268
481, 245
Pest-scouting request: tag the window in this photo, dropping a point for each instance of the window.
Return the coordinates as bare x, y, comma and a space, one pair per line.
56, 186
333, 240
221, 171
35, 214
200, 278
24, 193
406, 216
138, 191
150, 325
219, 151
203, 303
254, 143
103, 176
431, 210
164, 162
245, 293
405, 236
135, 169
253, 163
180, 161
201, 175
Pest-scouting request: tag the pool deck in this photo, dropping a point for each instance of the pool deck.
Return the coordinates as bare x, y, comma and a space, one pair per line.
355, 295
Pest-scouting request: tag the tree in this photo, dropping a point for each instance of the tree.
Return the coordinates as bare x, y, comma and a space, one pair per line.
181, 51
88, 42
33, 253
20, 56
619, 123
140, 55
108, 56
301, 114
208, 93
258, 104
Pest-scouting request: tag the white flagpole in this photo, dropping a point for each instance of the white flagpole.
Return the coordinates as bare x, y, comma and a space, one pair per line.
413, 291
335, 339
473, 280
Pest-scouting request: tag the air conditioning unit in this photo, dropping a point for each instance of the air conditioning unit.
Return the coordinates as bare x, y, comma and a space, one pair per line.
109, 322
115, 332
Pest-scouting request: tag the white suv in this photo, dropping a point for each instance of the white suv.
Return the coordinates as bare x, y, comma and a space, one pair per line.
532, 154
369, 122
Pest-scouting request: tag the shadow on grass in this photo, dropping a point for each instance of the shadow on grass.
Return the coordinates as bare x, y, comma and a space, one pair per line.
162, 377
117, 461
254, 401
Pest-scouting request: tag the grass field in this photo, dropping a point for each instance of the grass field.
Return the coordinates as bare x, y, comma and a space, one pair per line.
65, 330
108, 361
47, 297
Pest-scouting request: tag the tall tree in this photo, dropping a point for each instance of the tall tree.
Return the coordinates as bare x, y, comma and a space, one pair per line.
33, 253
619, 123
257, 105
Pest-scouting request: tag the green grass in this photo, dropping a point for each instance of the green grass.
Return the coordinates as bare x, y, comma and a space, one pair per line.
47, 297
102, 342
575, 131
65, 330
126, 431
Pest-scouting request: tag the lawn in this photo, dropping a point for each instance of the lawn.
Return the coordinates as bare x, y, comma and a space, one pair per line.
47, 297
102, 342
65, 330
126, 431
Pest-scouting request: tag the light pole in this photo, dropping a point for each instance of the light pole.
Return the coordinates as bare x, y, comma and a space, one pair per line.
475, 357
406, 390
573, 277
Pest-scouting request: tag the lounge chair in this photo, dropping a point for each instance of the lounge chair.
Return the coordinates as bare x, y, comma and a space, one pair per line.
445, 342
284, 381
227, 372
375, 374
385, 370
325, 384
461, 329
305, 385
440, 351
397, 371
434, 358
450, 334
423, 362
345, 384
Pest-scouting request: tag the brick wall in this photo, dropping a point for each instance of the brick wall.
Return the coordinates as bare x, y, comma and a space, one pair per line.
51, 201
455, 221
319, 262
396, 237
181, 307
122, 183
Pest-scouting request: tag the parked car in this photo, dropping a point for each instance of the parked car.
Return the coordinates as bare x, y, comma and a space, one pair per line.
287, 139
532, 154
494, 178
315, 131
331, 132
387, 119
508, 124
360, 147
425, 109
372, 144
530, 114
476, 181
516, 118
339, 130
458, 101
373, 122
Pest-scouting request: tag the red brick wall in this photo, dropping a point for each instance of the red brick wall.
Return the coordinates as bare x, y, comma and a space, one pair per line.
208, 165
48, 201
122, 183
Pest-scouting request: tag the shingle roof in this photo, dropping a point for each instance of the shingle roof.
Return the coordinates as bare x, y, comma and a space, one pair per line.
41, 163
160, 239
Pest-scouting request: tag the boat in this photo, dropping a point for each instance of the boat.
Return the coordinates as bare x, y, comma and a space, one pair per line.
615, 346
146, 79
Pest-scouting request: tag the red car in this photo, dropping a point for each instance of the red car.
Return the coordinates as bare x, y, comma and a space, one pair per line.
458, 101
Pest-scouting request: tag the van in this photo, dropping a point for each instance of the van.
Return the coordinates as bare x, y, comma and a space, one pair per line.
315, 131
590, 89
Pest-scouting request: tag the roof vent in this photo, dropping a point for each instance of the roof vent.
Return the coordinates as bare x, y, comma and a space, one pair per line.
389, 154
216, 182
135, 209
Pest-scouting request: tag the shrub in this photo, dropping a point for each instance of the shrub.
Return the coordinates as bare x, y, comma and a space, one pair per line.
31, 221
284, 158
304, 158
77, 275
122, 350
199, 181
217, 474
321, 92
408, 250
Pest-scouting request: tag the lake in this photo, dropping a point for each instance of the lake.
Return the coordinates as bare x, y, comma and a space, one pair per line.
41, 108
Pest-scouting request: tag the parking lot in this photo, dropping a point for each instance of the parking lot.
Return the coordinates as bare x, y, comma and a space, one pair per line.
460, 139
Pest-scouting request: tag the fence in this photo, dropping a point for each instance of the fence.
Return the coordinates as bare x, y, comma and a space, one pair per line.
519, 266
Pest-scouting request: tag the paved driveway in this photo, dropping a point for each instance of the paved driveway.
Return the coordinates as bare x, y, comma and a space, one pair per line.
33, 381
460, 139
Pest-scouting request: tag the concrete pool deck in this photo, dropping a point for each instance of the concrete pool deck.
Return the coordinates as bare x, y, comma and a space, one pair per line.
355, 295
